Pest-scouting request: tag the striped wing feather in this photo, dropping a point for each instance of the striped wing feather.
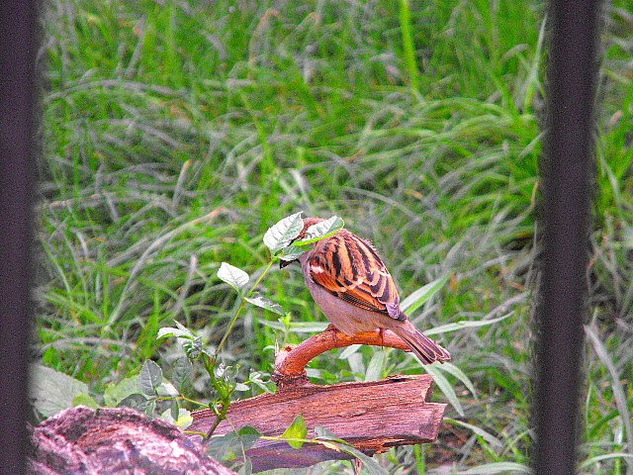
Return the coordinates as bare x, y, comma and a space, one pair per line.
350, 268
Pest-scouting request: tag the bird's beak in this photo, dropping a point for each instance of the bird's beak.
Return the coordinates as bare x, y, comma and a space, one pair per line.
283, 263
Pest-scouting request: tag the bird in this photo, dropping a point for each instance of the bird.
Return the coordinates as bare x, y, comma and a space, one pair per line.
351, 284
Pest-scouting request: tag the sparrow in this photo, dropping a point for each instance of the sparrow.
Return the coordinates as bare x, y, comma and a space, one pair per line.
353, 287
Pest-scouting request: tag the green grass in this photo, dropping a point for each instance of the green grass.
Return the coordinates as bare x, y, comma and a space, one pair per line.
176, 133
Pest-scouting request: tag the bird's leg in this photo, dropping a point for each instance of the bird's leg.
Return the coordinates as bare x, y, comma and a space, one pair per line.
381, 332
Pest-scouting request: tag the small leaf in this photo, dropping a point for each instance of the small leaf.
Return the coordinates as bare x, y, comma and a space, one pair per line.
297, 430
173, 332
151, 407
166, 389
422, 295
150, 377
322, 230
248, 435
85, 399
115, 393
375, 367
266, 303
182, 373
174, 410
193, 348
283, 232
234, 276
296, 327
184, 418
451, 327
53, 391
232, 445
177, 415
291, 253
324, 433
135, 401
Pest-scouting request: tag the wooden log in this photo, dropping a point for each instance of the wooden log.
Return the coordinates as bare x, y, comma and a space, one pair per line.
122, 440
372, 416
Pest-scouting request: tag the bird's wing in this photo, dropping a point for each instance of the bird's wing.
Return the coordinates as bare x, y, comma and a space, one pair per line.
350, 268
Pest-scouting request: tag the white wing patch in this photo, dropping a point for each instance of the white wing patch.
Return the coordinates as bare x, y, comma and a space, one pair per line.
317, 269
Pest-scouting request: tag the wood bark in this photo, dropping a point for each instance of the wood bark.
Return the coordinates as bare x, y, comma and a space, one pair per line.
123, 441
372, 416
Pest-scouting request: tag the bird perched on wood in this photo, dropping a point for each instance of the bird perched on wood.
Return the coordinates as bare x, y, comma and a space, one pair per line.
351, 284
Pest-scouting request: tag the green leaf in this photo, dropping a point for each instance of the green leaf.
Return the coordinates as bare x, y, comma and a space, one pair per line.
174, 410
234, 276
459, 374
369, 464
375, 367
150, 378
451, 327
178, 416
497, 467
182, 373
349, 351
487, 436
53, 391
174, 332
322, 230
283, 232
266, 303
296, 327
323, 433
422, 295
444, 386
136, 401
291, 253
234, 444
166, 389
330, 440
297, 430
85, 399
115, 393
600, 458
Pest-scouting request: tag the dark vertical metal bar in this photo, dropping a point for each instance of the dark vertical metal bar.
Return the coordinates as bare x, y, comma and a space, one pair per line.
18, 43
566, 177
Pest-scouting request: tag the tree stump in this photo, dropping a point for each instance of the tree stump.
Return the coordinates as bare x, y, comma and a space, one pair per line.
122, 440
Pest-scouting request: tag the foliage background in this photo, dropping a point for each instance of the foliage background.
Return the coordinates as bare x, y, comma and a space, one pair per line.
417, 122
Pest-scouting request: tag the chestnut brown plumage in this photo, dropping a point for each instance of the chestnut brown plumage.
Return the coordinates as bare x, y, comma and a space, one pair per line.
350, 282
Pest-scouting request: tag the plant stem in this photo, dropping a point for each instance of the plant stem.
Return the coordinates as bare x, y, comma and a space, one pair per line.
239, 309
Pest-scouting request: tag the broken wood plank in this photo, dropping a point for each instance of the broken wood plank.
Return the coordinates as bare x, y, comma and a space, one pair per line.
372, 416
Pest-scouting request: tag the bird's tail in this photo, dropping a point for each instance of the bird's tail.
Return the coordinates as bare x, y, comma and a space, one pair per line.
422, 346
